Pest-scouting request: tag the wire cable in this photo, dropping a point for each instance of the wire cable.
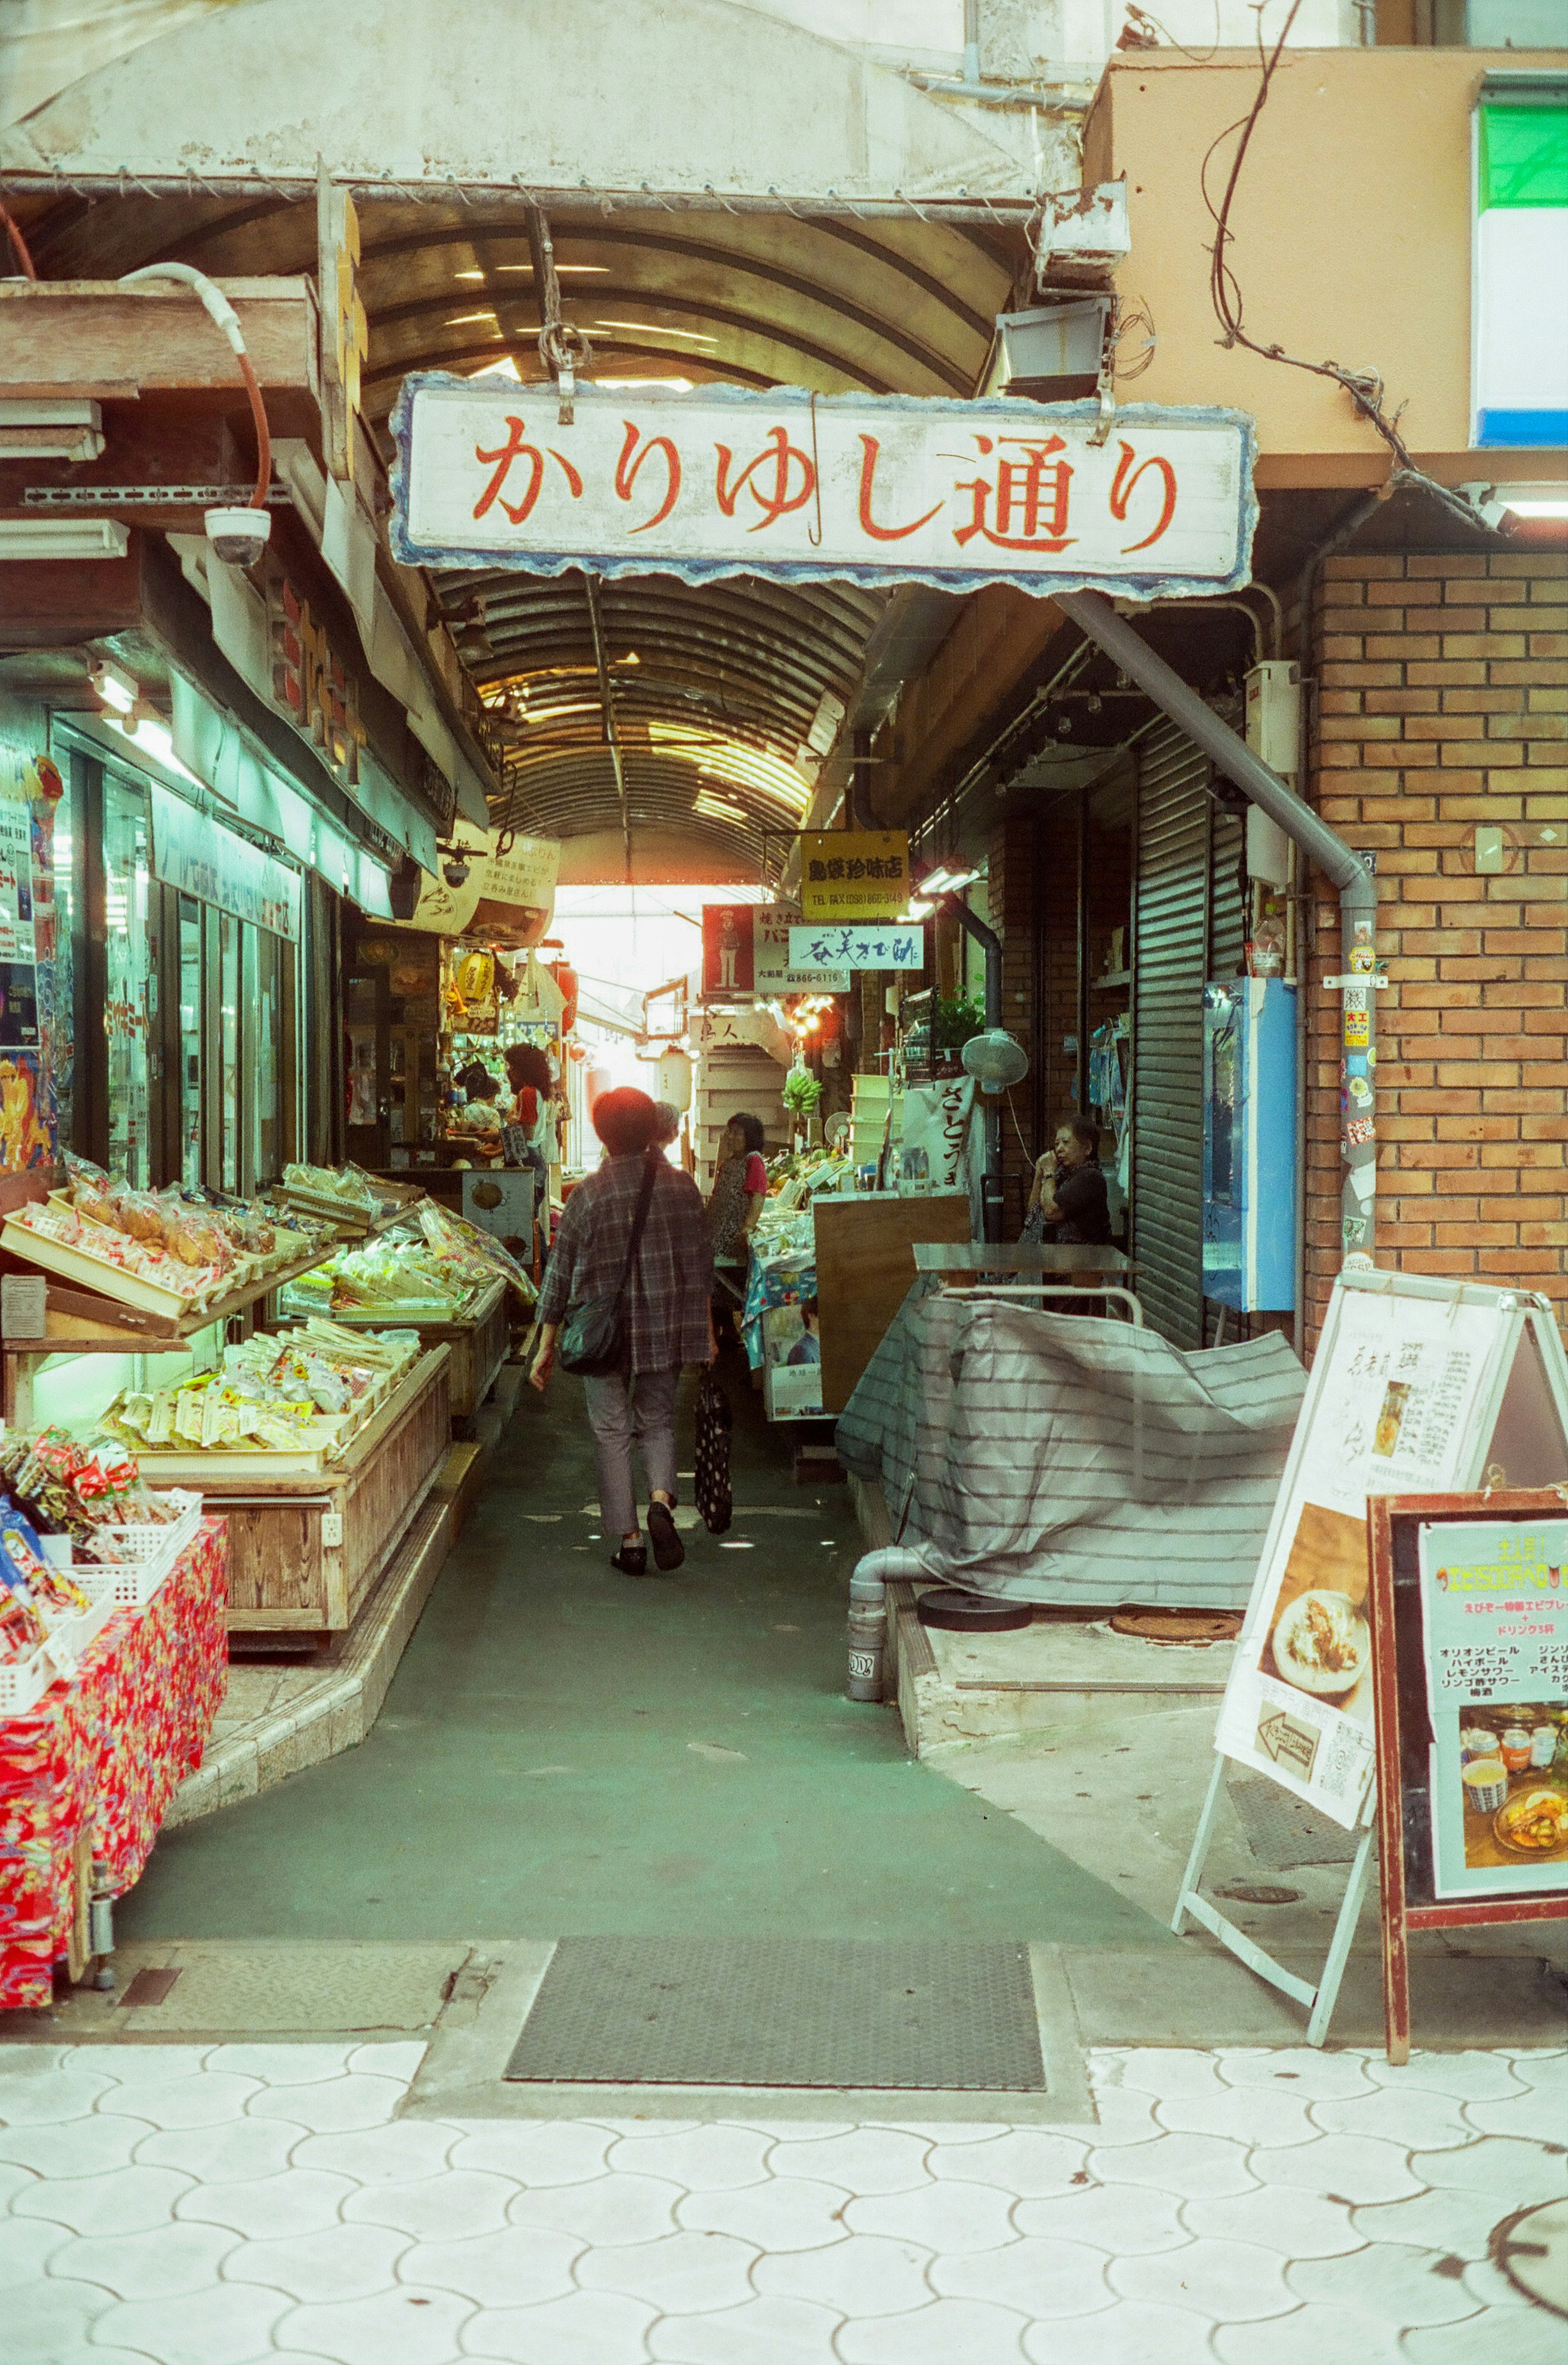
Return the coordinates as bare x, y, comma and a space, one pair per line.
1365, 387
224, 317
18, 245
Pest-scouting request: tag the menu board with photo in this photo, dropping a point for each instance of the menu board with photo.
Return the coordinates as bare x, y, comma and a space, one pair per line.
1392, 1408
1494, 1632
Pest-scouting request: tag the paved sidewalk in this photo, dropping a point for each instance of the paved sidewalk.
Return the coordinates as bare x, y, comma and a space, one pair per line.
215, 2206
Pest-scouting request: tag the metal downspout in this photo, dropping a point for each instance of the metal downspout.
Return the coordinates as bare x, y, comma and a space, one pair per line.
990, 944
1094, 615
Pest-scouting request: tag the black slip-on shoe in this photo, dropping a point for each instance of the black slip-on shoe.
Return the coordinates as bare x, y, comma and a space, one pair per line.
631, 1560
668, 1549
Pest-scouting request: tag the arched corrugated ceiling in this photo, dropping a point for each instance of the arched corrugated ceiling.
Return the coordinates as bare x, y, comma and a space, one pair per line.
714, 689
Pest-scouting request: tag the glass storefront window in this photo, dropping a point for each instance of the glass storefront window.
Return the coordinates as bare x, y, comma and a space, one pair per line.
263, 1031
190, 1042
228, 934
132, 998
61, 1016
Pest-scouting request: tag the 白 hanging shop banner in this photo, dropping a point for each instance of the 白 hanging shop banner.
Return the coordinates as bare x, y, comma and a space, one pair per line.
858, 489
876, 945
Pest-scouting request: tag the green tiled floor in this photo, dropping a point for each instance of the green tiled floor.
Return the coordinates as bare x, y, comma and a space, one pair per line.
565, 1750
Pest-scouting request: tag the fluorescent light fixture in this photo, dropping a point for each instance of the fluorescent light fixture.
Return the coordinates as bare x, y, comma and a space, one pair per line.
946, 881
62, 537
1491, 503
917, 909
49, 428
155, 739
116, 689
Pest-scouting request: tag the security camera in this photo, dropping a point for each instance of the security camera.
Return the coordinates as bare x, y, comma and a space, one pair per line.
454, 870
239, 536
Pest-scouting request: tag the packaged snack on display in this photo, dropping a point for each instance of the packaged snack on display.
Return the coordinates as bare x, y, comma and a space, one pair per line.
83, 1491
396, 1274
170, 1251
301, 1392
459, 1244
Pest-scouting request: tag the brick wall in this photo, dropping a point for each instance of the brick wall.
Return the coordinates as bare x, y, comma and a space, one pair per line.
1443, 703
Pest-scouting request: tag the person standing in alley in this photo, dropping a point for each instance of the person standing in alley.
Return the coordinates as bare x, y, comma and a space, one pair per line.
665, 1320
1068, 1204
734, 1203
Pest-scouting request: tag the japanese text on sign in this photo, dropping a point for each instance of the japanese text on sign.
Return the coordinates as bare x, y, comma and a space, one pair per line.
873, 945
854, 874
853, 487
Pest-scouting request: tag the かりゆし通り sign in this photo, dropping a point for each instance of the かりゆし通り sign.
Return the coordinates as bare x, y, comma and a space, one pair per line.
860, 489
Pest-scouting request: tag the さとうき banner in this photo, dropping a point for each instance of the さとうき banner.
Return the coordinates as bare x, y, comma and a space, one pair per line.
860, 489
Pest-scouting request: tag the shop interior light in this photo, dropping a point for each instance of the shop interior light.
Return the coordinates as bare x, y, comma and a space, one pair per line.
155, 739
1492, 503
116, 689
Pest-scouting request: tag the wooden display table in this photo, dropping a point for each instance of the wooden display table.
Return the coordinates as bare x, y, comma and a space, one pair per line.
306, 1547
479, 1341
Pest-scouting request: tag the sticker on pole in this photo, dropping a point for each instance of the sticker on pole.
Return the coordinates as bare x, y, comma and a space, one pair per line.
861, 488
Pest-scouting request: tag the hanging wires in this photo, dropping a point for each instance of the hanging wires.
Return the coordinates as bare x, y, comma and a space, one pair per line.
1365, 387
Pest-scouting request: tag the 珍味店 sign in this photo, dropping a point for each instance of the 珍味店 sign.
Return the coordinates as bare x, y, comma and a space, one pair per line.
203, 859
875, 945
860, 489
852, 874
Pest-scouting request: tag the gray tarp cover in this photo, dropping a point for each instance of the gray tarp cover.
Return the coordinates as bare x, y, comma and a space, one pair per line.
1052, 1457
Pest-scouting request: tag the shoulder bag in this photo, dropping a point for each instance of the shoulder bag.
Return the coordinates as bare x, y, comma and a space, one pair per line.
593, 1335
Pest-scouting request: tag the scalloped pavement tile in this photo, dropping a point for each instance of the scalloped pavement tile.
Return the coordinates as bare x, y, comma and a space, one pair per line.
1131, 2334
1416, 2118
395, 2327
611, 2211
1023, 2160
160, 2262
1187, 2165
335, 2106
862, 2277
764, 2332
225, 2325
863, 2160
588, 2327
1529, 2338
1306, 2226
1357, 2168
1227, 2282
1245, 2114
1299, 2068
544, 2151
126, 2201
341, 2262
684, 2274
949, 2217
1467, 2077
1165, 2070
521, 2266
1038, 2278
1386, 2284
271, 2208
27, 2244
439, 2208
47, 2098
785, 2213
949, 2332
1514, 2171
716, 2158
1119, 2220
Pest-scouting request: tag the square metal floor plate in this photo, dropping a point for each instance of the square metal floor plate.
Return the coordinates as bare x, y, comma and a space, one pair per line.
1284, 1830
783, 2012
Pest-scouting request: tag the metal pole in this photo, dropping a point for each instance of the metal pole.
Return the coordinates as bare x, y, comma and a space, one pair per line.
1094, 615
990, 944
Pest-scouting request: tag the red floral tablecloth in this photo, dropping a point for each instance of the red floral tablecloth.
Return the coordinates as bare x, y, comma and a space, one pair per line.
106, 1750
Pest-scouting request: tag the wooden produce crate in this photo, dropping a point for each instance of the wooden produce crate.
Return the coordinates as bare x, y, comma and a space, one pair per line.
479, 1341
306, 1548
175, 1314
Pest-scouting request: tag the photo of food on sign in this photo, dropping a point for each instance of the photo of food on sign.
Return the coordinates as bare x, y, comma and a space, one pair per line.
1319, 1642
1513, 1781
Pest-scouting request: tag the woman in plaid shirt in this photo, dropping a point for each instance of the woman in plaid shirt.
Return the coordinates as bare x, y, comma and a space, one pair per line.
667, 1323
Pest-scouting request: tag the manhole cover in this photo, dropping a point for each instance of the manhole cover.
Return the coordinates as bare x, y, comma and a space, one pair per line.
776, 2011
1531, 2248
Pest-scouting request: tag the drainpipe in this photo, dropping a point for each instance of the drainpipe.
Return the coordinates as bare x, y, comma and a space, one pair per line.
874, 1571
990, 944
1093, 614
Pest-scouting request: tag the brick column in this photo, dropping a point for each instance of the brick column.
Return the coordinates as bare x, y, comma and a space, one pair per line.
1443, 705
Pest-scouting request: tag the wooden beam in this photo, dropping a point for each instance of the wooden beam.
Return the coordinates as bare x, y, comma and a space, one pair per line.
98, 339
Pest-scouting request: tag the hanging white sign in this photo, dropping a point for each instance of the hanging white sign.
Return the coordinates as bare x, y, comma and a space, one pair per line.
861, 488
772, 970
202, 858
874, 944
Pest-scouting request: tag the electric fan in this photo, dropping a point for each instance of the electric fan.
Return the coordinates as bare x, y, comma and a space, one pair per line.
995, 1059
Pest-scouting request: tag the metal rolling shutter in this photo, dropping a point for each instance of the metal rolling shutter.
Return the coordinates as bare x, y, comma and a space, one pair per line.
1171, 943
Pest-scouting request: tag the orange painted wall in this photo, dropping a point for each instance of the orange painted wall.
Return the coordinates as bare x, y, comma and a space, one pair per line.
1352, 240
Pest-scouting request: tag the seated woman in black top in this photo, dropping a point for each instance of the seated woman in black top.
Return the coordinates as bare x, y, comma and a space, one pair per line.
1068, 1204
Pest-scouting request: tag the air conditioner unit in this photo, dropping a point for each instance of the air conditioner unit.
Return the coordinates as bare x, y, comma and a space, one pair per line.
1053, 353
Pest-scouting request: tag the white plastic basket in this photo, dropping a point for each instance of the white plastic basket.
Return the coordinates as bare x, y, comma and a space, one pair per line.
144, 1554
24, 1682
